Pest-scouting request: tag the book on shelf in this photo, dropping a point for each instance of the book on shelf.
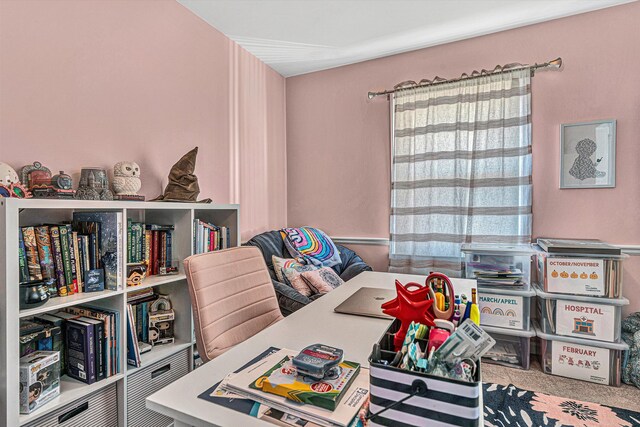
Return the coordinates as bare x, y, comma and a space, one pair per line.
80, 350
109, 334
99, 345
43, 242
31, 251
66, 259
342, 416
56, 251
81, 359
109, 241
22, 259
133, 351
150, 244
138, 308
62, 254
209, 237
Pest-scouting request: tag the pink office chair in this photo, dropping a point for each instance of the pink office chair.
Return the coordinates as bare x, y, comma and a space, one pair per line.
232, 298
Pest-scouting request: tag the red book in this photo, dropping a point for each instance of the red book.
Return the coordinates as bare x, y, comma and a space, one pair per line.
154, 253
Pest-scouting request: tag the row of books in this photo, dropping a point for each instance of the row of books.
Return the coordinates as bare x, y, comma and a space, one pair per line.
269, 388
140, 325
88, 340
65, 254
140, 302
150, 244
209, 237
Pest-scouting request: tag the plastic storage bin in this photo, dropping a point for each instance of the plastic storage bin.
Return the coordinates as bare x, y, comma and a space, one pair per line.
503, 266
597, 362
512, 348
580, 317
580, 274
505, 308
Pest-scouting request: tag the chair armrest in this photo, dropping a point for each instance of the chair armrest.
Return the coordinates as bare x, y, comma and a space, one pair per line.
289, 299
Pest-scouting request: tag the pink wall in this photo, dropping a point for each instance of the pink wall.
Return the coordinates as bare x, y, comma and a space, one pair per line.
338, 144
92, 83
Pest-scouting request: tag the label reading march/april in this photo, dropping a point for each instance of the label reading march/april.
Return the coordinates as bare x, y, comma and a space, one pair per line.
580, 362
580, 276
504, 311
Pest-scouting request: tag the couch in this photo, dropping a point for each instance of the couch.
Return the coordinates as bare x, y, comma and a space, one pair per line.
271, 243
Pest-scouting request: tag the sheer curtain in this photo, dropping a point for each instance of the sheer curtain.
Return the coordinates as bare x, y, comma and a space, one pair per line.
461, 170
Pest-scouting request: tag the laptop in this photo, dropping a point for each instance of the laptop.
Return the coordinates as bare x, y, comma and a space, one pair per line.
366, 302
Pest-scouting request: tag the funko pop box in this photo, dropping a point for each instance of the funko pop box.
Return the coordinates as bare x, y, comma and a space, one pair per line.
39, 379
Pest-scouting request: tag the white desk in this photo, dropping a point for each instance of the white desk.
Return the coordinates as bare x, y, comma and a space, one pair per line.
316, 323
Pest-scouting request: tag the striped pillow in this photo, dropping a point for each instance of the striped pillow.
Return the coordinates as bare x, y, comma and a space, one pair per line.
311, 246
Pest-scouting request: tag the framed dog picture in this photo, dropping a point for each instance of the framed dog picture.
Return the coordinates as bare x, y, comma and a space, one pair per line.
588, 154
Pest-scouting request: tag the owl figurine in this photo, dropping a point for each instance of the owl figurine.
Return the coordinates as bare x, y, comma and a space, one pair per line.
126, 178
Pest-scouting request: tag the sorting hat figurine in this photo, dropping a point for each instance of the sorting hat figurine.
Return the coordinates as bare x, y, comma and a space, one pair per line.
183, 184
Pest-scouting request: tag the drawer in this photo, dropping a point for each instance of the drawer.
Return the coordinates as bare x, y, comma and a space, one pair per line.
147, 381
97, 409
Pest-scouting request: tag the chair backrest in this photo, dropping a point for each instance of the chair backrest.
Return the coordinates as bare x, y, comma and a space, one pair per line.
232, 298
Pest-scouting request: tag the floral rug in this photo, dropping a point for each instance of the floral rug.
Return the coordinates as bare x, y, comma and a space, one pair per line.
512, 406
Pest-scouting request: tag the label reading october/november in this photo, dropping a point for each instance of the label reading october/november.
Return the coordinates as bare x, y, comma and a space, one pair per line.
580, 276
580, 362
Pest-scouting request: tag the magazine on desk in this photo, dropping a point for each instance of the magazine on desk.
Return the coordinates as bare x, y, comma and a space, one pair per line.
284, 413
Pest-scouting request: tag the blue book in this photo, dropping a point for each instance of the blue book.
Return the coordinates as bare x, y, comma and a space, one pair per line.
145, 322
168, 260
22, 257
81, 356
115, 338
133, 353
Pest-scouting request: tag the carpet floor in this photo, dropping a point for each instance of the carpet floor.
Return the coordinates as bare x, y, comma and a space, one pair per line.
627, 397
512, 406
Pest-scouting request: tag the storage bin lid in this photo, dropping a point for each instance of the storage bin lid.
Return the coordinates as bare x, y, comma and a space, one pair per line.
497, 249
506, 331
581, 341
594, 255
593, 300
498, 290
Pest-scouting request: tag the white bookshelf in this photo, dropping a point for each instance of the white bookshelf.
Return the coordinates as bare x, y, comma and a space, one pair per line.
15, 213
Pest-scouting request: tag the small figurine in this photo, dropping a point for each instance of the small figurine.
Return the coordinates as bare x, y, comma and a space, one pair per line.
161, 318
94, 185
126, 181
37, 178
8, 175
10, 185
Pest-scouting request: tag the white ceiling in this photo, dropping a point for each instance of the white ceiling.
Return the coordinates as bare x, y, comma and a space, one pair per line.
300, 36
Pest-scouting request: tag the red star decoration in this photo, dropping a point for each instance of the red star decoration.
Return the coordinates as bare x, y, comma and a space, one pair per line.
409, 306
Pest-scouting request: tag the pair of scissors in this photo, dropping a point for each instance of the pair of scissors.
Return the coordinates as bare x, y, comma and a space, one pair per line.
441, 281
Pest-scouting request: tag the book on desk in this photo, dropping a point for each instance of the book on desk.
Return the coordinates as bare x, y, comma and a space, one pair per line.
236, 392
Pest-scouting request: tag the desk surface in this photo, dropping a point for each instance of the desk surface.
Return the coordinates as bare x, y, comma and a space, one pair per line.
315, 323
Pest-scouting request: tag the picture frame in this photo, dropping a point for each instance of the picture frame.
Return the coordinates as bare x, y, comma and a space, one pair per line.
588, 154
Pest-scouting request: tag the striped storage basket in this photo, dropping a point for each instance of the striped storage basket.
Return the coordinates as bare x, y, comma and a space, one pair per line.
437, 401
